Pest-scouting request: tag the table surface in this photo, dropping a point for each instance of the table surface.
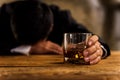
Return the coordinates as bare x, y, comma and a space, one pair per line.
51, 67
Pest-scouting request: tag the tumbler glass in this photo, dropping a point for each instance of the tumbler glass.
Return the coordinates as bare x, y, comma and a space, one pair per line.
74, 45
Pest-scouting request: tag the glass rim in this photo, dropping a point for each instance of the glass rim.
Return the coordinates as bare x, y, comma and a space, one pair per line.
78, 33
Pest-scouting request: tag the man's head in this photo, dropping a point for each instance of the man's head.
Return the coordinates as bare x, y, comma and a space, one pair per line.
31, 21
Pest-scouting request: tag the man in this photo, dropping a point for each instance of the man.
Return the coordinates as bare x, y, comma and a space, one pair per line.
35, 28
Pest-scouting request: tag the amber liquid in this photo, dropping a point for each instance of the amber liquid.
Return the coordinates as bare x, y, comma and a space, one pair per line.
74, 54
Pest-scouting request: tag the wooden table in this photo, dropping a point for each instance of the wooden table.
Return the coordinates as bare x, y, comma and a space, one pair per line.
51, 67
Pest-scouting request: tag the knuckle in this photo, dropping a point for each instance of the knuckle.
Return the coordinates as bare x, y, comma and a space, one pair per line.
93, 57
98, 45
94, 37
99, 58
46, 47
98, 52
93, 48
96, 60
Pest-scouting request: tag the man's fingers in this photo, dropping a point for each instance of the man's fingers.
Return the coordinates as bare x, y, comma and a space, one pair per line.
91, 49
55, 51
54, 47
93, 39
95, 55
96, 60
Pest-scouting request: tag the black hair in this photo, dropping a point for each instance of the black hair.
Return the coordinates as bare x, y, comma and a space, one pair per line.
31, 21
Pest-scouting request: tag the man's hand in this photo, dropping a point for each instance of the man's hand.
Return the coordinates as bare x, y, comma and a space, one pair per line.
45, 47
94, 51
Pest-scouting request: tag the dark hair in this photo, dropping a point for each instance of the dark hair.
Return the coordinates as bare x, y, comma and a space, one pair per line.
31, 21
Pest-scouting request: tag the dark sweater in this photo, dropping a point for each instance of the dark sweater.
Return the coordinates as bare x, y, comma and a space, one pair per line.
63, 22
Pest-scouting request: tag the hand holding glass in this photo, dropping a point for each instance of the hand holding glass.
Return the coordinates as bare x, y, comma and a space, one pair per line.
74, 45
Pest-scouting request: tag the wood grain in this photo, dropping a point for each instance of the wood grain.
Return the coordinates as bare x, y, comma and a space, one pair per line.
51, 67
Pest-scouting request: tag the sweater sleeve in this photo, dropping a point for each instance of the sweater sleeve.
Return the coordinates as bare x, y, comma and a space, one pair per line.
64, 22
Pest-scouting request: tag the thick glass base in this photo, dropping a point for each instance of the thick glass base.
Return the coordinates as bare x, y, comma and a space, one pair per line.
75, 61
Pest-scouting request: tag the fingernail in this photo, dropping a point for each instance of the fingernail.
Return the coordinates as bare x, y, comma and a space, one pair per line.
91, 62
87, 59
90, 43
86, 53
